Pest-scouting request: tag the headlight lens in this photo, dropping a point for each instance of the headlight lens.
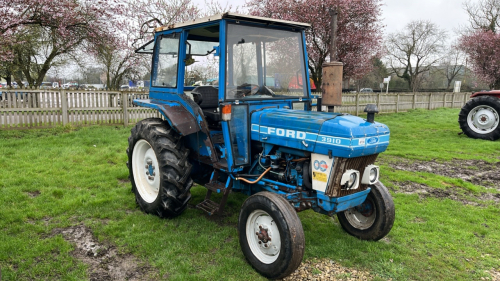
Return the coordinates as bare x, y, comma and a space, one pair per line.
373, 174
352, 180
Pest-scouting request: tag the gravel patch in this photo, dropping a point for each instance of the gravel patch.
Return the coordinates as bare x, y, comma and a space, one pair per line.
326, 269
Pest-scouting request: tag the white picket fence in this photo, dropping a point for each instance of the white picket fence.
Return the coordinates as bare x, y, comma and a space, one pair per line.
47, 108
400, 102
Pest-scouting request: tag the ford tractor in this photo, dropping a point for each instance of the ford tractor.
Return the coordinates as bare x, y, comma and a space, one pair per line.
252, 130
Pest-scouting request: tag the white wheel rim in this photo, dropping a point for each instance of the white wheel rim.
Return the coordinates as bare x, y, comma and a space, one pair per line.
145, 170
361, 220
266, 252
483, 119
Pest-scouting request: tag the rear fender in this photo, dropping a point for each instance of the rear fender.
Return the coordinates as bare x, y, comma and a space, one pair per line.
494, 93
185, 123
176, 114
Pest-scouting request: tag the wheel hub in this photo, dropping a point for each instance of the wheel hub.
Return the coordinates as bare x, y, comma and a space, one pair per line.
150, 170
483, 119
365, 209
362, 216
263, 236
144, 163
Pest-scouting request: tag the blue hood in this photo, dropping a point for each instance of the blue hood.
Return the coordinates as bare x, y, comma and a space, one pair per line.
319, 132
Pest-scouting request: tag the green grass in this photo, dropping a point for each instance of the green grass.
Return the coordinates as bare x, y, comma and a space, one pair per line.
81, 178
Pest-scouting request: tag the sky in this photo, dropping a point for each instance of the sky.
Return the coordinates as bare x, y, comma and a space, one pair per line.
446, 14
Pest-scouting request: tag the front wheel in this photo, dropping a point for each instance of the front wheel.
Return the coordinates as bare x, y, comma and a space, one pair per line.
479, 118
373, 219
271, 235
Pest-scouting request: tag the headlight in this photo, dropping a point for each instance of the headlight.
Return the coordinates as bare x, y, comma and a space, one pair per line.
350, 180
371, 174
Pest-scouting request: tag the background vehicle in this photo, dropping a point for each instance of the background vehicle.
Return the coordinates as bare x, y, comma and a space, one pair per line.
261, 139
366, 90
479, 117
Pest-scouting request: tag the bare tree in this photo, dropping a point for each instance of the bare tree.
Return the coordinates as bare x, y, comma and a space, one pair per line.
484, 15
414, 50
453, 63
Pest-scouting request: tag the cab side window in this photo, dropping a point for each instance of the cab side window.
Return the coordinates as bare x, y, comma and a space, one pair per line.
166, 61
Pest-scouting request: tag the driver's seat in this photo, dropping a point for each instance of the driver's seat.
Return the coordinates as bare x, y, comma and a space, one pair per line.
208, 101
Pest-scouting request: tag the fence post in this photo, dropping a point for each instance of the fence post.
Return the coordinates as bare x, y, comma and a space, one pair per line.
444, 100
453, 100
397, 103
378, 102
357, 104
430, 101
125, 107
64, 107
414, 100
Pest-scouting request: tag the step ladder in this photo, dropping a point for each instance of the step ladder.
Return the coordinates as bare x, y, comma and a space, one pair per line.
209, 206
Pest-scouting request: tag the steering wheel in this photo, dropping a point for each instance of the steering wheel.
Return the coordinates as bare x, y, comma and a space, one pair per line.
247, 89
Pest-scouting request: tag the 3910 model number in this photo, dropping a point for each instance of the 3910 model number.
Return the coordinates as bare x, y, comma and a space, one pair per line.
330, 140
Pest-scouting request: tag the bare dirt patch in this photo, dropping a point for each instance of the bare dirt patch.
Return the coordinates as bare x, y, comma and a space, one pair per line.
424, 191
104, 261
477, 172
326, 269
34, 194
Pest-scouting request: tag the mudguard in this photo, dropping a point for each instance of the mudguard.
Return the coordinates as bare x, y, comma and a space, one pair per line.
177, 115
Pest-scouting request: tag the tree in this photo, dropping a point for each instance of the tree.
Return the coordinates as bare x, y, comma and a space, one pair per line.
37, 32
484, 15
453, 64
414, 50
373, 78
482, 41
359, 35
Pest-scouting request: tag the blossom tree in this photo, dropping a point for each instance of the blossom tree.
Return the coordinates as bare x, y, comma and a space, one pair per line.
359, 33
35, 33
481, 42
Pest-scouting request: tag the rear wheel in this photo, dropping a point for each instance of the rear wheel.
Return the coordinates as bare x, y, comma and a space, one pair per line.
479, 118
159, 168
373, 219
271, 235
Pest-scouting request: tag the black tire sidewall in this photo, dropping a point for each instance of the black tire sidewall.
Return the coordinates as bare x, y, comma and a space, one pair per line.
286, 260
144, 134
384, 212
147, 130
491, 101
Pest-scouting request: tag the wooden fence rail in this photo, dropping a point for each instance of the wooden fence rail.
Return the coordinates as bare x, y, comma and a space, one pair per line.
21, 108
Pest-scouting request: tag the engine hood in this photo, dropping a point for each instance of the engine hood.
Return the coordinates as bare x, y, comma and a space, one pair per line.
319, 132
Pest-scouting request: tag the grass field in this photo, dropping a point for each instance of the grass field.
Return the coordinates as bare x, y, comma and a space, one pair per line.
57, 182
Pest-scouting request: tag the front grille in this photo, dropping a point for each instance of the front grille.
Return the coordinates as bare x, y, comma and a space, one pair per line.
343, 164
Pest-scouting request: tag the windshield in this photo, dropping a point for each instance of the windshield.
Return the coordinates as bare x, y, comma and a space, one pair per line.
264, 63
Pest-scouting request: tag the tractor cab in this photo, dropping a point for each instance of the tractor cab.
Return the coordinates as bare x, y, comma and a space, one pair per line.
240, 64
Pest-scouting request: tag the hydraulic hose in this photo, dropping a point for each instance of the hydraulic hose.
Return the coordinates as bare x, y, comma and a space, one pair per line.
255, 181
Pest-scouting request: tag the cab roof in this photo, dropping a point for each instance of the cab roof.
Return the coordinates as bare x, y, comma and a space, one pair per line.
234, 16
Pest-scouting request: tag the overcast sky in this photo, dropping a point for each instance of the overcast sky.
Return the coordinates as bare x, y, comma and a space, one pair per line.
447, 14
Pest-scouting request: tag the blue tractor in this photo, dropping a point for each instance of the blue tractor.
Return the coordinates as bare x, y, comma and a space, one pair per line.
253, 131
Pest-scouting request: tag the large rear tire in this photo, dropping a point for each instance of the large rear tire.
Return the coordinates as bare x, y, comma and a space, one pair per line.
373, 219
159, 168
271, 235
479, 118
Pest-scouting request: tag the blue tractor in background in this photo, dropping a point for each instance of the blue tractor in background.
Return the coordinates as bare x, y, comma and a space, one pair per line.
251, 132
